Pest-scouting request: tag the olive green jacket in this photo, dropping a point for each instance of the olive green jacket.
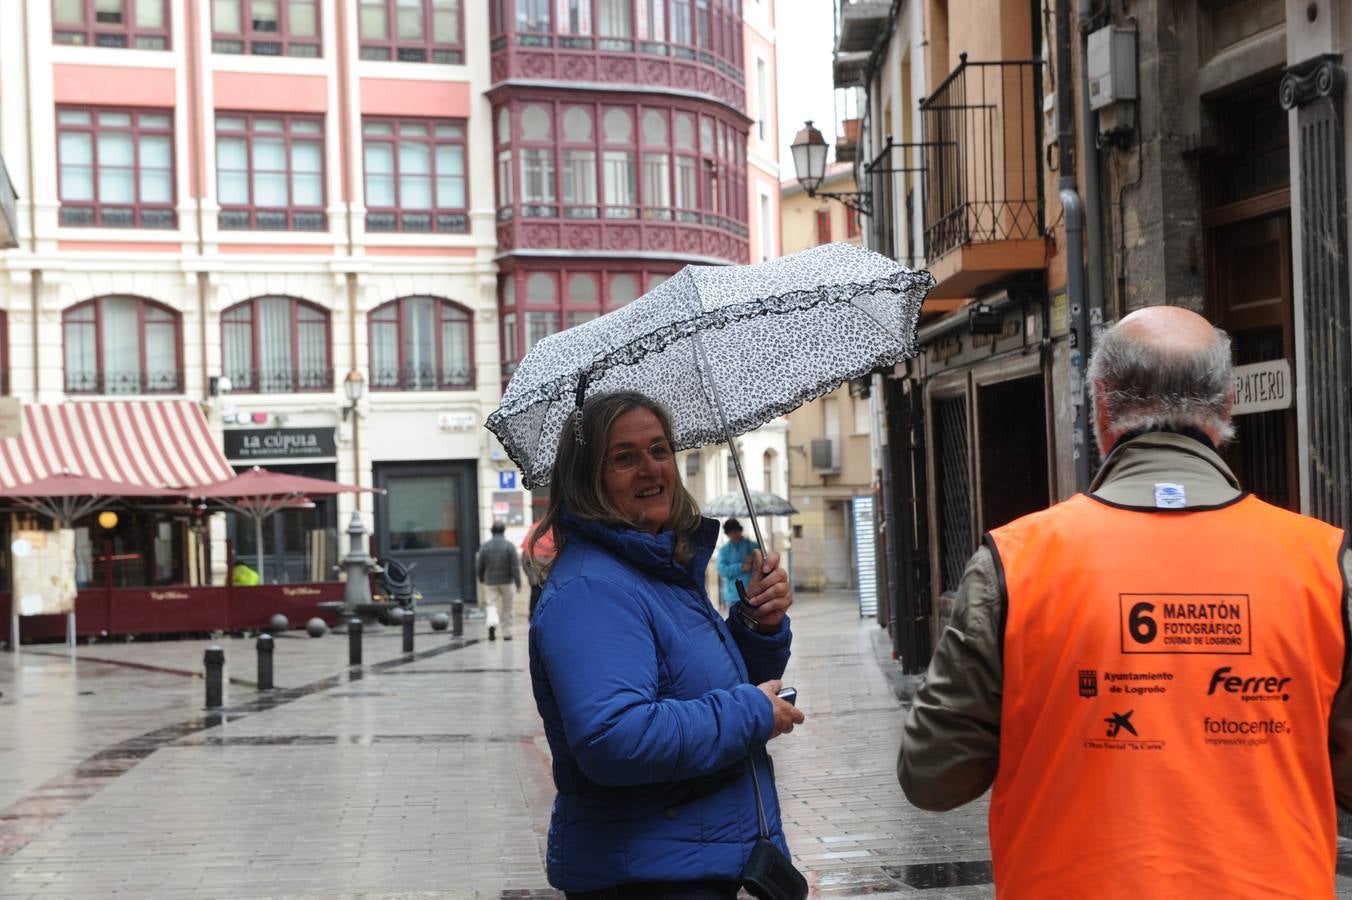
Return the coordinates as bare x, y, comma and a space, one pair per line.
950, 748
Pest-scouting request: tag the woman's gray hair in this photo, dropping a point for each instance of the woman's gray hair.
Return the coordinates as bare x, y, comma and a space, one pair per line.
1149, 387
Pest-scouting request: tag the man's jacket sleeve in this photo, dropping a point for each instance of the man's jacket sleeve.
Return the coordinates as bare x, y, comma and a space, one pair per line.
602, 662
950, 747
1340, 721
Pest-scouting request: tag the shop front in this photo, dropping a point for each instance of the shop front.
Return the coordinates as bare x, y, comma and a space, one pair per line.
141, 565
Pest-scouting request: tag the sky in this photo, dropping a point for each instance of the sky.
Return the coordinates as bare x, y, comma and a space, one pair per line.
805, 36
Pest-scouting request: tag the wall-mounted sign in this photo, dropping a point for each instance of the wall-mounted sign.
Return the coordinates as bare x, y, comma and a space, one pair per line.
962, 348
508, 507
507, 480
279, 443
1264, 386
457, 421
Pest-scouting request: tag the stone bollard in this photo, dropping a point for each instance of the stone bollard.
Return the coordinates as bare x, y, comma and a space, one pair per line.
409, 619
214, 660
354, 642
457, 618
265, 648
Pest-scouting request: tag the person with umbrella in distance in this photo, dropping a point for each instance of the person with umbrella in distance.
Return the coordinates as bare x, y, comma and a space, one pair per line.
656, 710
735, 560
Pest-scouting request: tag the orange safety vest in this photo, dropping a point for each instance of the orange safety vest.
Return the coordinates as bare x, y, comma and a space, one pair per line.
1168, 681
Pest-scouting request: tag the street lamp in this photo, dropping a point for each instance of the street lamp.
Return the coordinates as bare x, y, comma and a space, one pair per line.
809, 165
354, 385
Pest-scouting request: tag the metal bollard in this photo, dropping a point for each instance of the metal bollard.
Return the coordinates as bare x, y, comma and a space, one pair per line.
265, 648
214, 660
457, 618
354, 642
408, 630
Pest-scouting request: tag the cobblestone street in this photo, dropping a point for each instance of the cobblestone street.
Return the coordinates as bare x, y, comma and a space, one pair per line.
422, 775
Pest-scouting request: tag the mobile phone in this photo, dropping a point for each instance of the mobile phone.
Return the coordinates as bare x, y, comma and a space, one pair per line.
789, 695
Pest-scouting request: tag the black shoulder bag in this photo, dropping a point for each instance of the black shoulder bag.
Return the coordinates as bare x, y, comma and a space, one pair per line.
769, 874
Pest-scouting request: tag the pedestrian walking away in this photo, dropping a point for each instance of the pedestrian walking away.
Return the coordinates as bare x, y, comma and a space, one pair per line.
501, 576
1152, 676
656, 710
734, 561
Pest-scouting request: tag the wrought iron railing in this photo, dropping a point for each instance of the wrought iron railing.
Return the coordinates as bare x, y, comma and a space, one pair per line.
279, 381
893, 178
155, 382
983, 173
421, 378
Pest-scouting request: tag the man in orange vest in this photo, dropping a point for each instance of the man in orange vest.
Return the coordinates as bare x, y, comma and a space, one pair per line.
1153, 676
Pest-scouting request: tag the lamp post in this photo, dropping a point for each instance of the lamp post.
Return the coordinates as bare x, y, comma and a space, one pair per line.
357, 589
809, 150
354, 386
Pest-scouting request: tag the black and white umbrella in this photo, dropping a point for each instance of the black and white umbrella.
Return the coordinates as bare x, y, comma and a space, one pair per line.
724, 348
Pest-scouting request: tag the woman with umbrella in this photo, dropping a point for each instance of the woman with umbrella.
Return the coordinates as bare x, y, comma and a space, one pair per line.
656, 710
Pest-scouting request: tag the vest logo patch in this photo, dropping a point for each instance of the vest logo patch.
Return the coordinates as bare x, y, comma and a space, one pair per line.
1260, 688
1170, 496
1088, 683
1186, 623
1122, 731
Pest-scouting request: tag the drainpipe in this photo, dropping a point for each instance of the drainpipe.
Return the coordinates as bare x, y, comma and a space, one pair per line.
1093, 212
1074, 211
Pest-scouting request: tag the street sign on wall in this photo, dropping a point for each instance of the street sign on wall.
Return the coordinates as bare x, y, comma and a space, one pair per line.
279, 443
1264, 386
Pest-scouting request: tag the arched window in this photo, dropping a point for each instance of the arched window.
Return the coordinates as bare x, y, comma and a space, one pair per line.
421, 344
276, 345
121, 345
768, 465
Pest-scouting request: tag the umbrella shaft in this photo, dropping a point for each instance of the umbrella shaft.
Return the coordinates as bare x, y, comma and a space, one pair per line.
727, 434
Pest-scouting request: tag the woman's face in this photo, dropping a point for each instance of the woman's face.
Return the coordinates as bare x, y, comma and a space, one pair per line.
639, 473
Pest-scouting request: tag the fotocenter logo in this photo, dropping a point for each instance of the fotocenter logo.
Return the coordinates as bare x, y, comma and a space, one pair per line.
1249, 688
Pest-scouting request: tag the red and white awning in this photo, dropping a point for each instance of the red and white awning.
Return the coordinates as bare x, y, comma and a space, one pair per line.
155, 443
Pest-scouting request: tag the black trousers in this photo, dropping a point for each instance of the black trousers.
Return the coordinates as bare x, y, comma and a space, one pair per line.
663, 890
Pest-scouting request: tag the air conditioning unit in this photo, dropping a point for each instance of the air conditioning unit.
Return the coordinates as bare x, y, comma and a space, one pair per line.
826, 456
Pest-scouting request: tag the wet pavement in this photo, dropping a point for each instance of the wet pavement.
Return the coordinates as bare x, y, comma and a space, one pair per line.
422, 775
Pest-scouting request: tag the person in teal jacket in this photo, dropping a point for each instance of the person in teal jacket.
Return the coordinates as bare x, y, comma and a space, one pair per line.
735, 559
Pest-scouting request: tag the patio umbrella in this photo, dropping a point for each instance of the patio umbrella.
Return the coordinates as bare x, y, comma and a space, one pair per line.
724, 348
67, 496
258, 493
762, 503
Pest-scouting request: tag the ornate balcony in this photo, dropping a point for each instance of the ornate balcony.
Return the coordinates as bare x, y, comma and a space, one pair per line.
143, 382
983, 175
859, 22
676, 238
648, 65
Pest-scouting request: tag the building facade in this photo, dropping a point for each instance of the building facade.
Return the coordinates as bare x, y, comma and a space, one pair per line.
630, 139
1059, 171
338, 225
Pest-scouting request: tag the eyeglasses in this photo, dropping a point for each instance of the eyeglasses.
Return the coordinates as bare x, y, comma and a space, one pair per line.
628, 460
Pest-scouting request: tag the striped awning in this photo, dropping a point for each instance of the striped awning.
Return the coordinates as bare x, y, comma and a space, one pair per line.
155, 443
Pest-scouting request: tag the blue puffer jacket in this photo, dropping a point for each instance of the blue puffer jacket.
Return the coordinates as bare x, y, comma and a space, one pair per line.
651, 709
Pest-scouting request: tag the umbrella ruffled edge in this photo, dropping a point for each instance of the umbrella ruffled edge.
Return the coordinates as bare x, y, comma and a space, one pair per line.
657, 340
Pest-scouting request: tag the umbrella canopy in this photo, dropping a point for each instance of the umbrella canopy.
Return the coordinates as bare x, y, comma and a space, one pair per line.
762, 503
724, 348
68, 496
258, 493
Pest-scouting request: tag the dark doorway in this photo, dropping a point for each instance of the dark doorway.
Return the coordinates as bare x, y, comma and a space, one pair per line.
299, 545
428, 519
1013, 450
1248, 275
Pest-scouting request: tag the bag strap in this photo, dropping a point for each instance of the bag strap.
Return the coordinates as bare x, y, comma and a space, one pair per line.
760, 804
